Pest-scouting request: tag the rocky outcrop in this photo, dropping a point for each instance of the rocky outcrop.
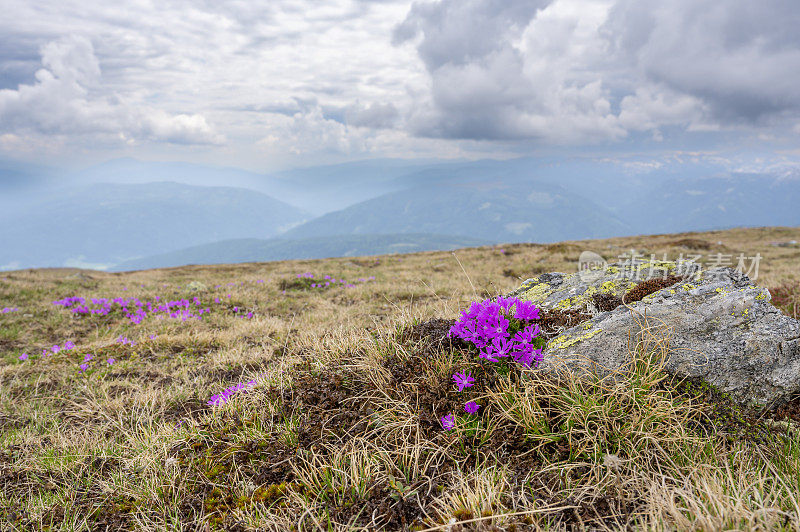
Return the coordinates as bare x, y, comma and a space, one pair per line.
719, 325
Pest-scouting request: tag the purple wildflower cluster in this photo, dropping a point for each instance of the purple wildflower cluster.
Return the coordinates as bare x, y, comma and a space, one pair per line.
221, 398
239, 312
68, 346
6, 310
328, 280
88, 358
499, 329
124, 340
135, 309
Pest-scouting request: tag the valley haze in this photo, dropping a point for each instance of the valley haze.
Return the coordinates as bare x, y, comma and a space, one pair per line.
127, 213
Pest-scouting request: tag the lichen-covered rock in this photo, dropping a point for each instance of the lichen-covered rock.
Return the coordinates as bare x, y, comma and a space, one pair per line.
196, 286
720, 326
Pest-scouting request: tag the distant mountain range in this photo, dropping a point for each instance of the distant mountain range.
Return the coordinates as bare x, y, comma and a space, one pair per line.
717, 202
104, 224
367, 207
492, 210
254, 250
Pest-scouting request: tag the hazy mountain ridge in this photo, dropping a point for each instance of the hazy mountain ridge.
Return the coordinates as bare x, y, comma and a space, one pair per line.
517, 200
734, 200
104, 224
255, 250
491, 210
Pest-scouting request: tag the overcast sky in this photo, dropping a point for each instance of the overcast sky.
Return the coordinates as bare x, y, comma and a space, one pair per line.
271, 84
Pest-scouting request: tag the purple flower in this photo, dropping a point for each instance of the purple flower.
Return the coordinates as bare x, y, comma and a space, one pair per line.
110, 361
448, 422
222, 397
83, 367
526, 335
463, 380
526, 311
68, 345
87, 358
499, 348
23, 356
506, 303
55, 349
471, 407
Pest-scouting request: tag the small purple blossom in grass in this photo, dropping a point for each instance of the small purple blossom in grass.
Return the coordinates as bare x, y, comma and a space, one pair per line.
68, 345
222, 397
110, 361
471, 407
463, 380
448, 422
23, 356
55, 349
6, 310
152, 337
87, 358
83, 367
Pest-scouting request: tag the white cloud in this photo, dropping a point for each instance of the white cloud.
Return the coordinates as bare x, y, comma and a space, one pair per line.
741, 58
64, 101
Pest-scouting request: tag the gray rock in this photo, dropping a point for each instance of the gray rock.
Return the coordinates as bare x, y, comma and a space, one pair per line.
720, 327
196, 286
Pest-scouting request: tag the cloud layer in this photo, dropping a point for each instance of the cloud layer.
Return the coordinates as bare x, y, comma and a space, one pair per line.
62, 101
289, 80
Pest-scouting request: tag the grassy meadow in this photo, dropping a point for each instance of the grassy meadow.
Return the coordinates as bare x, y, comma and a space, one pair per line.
337, 422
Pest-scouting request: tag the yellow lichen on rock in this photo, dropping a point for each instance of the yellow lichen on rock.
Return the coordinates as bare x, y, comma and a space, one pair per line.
536, 292
564, 341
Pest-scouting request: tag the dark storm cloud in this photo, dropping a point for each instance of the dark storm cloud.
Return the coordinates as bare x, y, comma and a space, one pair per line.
505, 69
740, 57
478, 86
458, 32
19, 60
